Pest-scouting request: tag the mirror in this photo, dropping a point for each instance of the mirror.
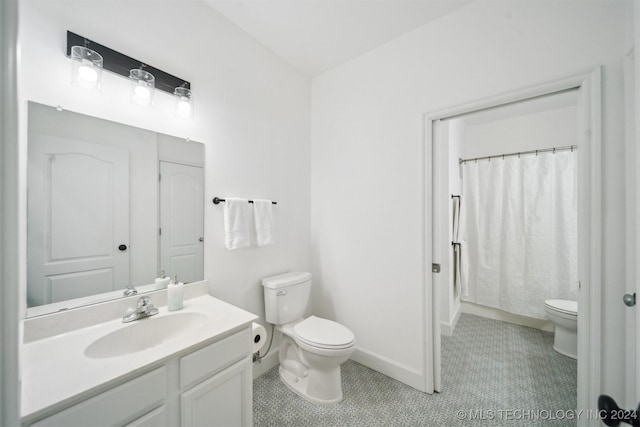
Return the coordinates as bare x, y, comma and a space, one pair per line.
108, 205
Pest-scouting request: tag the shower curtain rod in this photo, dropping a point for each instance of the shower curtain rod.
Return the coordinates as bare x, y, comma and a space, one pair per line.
502, 156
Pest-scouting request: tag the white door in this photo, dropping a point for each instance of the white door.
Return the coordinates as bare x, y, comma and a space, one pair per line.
78, 219
181, 221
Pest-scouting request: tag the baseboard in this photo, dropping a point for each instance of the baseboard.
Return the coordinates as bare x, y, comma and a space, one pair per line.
447, 328
496, 314
389, 368
266, 364
367, 358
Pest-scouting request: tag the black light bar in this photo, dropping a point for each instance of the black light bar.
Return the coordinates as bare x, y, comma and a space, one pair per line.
121, 64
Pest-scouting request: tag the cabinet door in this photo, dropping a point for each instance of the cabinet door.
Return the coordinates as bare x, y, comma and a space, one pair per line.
223, 400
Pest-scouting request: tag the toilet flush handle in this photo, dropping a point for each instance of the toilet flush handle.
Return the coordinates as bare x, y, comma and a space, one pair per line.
281, 293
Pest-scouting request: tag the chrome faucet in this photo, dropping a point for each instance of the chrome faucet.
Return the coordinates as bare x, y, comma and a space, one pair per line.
129, 291
144, 309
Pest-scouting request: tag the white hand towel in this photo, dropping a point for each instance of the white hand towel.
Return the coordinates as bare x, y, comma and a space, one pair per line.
236, 223
263, 217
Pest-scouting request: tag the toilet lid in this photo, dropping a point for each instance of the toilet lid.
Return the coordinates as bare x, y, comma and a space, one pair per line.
563, 305
324, 333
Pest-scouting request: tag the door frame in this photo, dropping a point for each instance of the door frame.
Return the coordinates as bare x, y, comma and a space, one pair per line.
589, 226
632, 231
10, 213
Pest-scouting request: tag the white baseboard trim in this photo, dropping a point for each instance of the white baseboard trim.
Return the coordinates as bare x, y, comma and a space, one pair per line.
496, 314
367, 358
447, 328
270, 360
385, 366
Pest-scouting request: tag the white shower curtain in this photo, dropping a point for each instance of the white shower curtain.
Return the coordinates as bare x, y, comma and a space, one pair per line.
520, 231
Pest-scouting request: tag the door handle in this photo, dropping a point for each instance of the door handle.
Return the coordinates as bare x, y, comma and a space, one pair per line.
629, 299
612, 415
122, 248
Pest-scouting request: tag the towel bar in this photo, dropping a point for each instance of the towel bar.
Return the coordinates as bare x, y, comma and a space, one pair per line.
217, 200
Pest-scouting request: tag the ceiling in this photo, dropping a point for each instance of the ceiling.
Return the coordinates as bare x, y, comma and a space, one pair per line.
317, 35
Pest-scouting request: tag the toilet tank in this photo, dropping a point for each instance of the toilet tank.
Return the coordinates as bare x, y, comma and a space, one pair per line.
286, 296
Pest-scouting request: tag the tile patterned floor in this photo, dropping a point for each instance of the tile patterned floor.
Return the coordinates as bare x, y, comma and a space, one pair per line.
494, 373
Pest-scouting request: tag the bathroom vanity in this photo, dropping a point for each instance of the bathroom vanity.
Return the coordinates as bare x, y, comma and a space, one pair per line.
190, 367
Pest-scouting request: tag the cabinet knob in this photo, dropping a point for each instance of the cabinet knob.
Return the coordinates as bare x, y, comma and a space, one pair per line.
629, 299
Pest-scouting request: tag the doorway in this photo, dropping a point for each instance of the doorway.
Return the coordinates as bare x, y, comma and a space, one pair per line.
589, 228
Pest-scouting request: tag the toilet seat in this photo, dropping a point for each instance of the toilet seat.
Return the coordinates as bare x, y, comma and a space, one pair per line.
563, 306
323, 333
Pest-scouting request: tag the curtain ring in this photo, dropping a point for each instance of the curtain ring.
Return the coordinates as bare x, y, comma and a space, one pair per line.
536, 152
554, 150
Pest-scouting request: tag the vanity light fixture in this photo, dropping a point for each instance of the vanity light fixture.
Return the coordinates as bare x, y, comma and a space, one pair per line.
142, 86
144, 79
86, 67
184, 103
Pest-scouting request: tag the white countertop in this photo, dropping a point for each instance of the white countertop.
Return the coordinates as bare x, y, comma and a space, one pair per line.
56, 372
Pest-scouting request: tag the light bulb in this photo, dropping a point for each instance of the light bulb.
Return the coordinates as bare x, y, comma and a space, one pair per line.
142, 94
87, 75
86, 69
184, 108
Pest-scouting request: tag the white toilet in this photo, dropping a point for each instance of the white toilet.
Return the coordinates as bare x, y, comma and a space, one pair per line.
312, 349
564, 315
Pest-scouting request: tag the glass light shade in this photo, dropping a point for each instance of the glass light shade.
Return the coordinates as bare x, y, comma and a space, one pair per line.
86, 67
142, 87
184, 103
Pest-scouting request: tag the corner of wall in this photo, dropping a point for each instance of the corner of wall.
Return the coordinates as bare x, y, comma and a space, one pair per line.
447, 328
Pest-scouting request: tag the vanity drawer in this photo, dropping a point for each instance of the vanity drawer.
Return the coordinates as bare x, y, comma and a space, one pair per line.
211, 359
155, 418
119, 405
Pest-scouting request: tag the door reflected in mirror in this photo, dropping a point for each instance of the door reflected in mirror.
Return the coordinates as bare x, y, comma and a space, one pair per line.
108, 205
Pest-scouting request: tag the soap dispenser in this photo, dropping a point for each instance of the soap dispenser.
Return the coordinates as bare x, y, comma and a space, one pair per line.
174, 294
163, 281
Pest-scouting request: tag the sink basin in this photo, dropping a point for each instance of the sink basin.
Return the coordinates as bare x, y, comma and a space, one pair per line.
143, 334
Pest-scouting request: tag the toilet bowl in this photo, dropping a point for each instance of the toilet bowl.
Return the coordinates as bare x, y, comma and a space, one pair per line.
311, 353
564, 315
312, 348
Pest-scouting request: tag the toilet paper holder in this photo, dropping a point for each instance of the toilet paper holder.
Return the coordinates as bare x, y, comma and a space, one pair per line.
259, 331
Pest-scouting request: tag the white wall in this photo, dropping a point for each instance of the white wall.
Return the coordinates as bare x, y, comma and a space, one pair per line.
515, 127
251, 112
367, 157
452, 150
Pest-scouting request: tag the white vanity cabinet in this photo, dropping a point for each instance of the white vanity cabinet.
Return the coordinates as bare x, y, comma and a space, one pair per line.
222, 400
210, 385
215, 397
119, 405
155, 418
